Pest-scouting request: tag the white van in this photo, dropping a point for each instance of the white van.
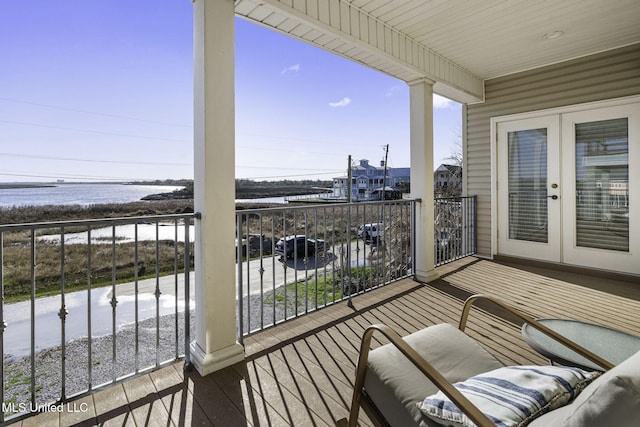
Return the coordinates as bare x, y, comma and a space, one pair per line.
372, 231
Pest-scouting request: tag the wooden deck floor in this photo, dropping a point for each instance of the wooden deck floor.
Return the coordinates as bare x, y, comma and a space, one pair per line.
301, 373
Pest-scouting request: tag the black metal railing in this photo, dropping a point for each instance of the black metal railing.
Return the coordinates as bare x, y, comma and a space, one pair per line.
455, 228
91, 302
294, 260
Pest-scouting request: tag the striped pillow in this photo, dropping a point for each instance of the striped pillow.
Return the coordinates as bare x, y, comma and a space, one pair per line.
511, 396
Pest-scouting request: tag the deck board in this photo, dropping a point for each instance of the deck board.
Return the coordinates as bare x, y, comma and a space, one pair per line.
301, 372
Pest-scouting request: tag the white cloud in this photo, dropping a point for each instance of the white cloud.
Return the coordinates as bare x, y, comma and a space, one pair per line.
393, 90
290, 69
342, 103
441, 102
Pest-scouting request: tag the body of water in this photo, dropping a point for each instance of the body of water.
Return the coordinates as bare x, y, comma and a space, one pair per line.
95, 194
79, 194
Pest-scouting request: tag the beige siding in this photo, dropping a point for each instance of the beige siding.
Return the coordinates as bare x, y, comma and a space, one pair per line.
607, 75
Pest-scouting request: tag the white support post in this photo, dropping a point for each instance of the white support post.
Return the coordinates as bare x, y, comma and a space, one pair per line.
215, 346
421, 135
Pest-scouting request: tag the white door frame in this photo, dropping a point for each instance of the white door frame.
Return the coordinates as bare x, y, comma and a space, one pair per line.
572, 253
633, 177
551, 249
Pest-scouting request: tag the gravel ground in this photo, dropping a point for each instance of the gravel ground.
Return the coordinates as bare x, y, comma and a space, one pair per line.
48, 363
259, 312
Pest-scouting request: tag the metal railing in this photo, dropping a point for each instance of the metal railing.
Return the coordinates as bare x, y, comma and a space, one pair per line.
295, 260
89, 303
455, 228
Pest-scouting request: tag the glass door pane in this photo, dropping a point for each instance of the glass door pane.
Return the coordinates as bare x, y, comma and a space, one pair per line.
527, 180
602, 184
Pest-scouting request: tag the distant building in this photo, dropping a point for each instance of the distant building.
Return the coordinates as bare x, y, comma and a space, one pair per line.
447, 181
367, 182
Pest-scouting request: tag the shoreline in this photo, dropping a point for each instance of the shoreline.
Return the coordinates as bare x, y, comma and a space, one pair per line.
22, 186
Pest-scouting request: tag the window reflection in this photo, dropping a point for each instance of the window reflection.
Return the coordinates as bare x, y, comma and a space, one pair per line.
602, 184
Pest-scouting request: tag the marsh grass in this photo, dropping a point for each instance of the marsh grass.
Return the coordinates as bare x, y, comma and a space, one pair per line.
109, 264
103, 263
31, 214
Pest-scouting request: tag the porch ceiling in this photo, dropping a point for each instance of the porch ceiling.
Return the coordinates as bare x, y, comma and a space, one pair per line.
456, 43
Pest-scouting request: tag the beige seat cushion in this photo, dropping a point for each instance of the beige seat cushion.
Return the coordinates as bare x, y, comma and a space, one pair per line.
611, 400
395, 385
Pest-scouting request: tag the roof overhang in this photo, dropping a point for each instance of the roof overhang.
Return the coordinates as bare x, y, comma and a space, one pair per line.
457, 44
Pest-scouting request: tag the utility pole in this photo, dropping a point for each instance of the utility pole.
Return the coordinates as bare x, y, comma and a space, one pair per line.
347, 276
349, 180
384, 179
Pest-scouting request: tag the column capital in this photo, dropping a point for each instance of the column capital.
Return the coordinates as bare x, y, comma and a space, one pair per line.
421, 80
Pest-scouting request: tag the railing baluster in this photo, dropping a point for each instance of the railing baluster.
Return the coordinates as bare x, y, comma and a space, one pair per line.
296, 254
3, 324
316, 258
261, 271
474, 224
348, 255
187, 293
89, 332
175, 284
325, 255
63, 317
33, 316
358, 270
245, 253
284, 263
414, 209
136, 278
306, 265
114, 302
333, 255
273, 265
157, 293
240, 299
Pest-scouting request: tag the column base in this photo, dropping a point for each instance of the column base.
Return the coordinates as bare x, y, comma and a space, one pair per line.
426, 276
207, 363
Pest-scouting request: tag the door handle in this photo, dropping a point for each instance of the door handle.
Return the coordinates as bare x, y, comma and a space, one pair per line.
554, 197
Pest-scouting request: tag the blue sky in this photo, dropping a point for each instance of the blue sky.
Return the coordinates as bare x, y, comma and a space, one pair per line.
103, 90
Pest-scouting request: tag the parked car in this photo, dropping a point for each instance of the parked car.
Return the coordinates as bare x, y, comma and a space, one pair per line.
371, 232
298, 246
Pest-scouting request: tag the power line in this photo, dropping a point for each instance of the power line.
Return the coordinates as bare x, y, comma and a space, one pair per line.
95, 113
288, 150
315, 141
291, 176
92, 131
71, 159
68, 176
282, 168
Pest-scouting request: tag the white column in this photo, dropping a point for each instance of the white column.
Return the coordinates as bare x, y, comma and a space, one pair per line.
215, 346
421, 135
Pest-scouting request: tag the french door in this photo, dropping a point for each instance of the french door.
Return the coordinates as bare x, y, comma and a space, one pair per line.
528, 180
568, 187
